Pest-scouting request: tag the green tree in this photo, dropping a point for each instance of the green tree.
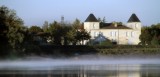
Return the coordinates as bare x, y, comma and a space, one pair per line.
11, 31
45, 26
106, 43
56, 32
155, 41
35, 29
146, 36
66, 34
71, 36
72, 31
82, 35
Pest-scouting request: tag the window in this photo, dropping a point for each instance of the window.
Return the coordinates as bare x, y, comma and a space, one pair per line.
93, 26
135, 26
110, 33
94, 34
116, 33
132, 34
127, 34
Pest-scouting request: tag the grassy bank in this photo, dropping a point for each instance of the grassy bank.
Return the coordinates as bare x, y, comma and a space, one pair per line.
106, 50
128, 50
68, 51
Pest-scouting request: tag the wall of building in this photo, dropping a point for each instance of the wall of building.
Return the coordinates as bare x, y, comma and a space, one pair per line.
134, 25
121, 36
88, 26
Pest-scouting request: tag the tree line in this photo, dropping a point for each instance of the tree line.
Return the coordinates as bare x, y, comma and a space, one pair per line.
15, 37
150, 35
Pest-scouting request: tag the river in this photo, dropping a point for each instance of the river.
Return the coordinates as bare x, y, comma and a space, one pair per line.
85, 66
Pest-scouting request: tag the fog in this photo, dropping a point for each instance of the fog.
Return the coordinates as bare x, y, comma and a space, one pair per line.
48, 63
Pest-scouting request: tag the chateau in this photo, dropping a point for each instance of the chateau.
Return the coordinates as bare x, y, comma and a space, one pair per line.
121, 34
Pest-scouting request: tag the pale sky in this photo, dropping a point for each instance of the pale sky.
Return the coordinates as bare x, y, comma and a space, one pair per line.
35, 12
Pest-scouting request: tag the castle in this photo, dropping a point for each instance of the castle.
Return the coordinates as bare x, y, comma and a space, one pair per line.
121, 34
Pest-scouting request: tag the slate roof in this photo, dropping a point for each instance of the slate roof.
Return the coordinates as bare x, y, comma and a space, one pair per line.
133, 18
111, 26
91, 18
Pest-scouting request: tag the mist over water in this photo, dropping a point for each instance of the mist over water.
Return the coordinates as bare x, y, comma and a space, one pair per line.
82, 66
49, 63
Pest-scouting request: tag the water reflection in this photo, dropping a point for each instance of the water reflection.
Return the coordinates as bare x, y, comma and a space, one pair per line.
108, 70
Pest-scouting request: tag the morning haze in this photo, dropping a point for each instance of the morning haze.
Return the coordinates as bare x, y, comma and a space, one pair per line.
79, 38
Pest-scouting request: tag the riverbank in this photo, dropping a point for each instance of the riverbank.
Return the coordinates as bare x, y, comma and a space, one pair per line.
70, 51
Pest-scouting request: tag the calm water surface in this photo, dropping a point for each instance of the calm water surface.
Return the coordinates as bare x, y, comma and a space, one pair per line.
145, 67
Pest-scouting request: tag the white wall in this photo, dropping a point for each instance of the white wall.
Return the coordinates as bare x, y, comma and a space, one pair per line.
122, 36
91, 25
134, 25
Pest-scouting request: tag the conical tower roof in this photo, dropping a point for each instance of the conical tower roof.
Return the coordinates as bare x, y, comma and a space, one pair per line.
91, 18
133, 18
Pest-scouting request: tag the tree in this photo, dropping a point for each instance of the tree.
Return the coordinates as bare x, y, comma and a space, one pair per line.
56, 32
145, 36
67, 34
82, 35
155, 41
99, 19
150, 35
71, 34
76, 24
11, 31
35, 29
104, 19
45, 26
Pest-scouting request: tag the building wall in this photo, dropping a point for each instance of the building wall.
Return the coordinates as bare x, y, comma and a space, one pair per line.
88, 26
121, 36
134, 25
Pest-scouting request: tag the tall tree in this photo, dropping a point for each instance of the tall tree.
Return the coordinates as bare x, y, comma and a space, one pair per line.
11, 31
146, 36
45, 26
76, 24
56, 32
155, 41
104, 19
81, 36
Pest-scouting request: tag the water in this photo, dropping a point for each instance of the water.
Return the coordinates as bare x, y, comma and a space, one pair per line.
81, 67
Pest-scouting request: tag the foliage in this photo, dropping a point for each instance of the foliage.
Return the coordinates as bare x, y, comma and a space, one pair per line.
106, 43
82, 35
102, 20
150, 35
45, 26
35, 29
146, 36
73, 31
56, 32
155, 41
11, 32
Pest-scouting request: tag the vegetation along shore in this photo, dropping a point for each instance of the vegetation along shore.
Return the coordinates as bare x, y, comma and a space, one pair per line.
65, 39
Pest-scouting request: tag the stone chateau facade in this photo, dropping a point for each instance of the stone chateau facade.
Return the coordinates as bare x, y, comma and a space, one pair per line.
127, 34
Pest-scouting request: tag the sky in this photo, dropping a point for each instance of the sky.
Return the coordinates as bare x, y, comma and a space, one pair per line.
35, 12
